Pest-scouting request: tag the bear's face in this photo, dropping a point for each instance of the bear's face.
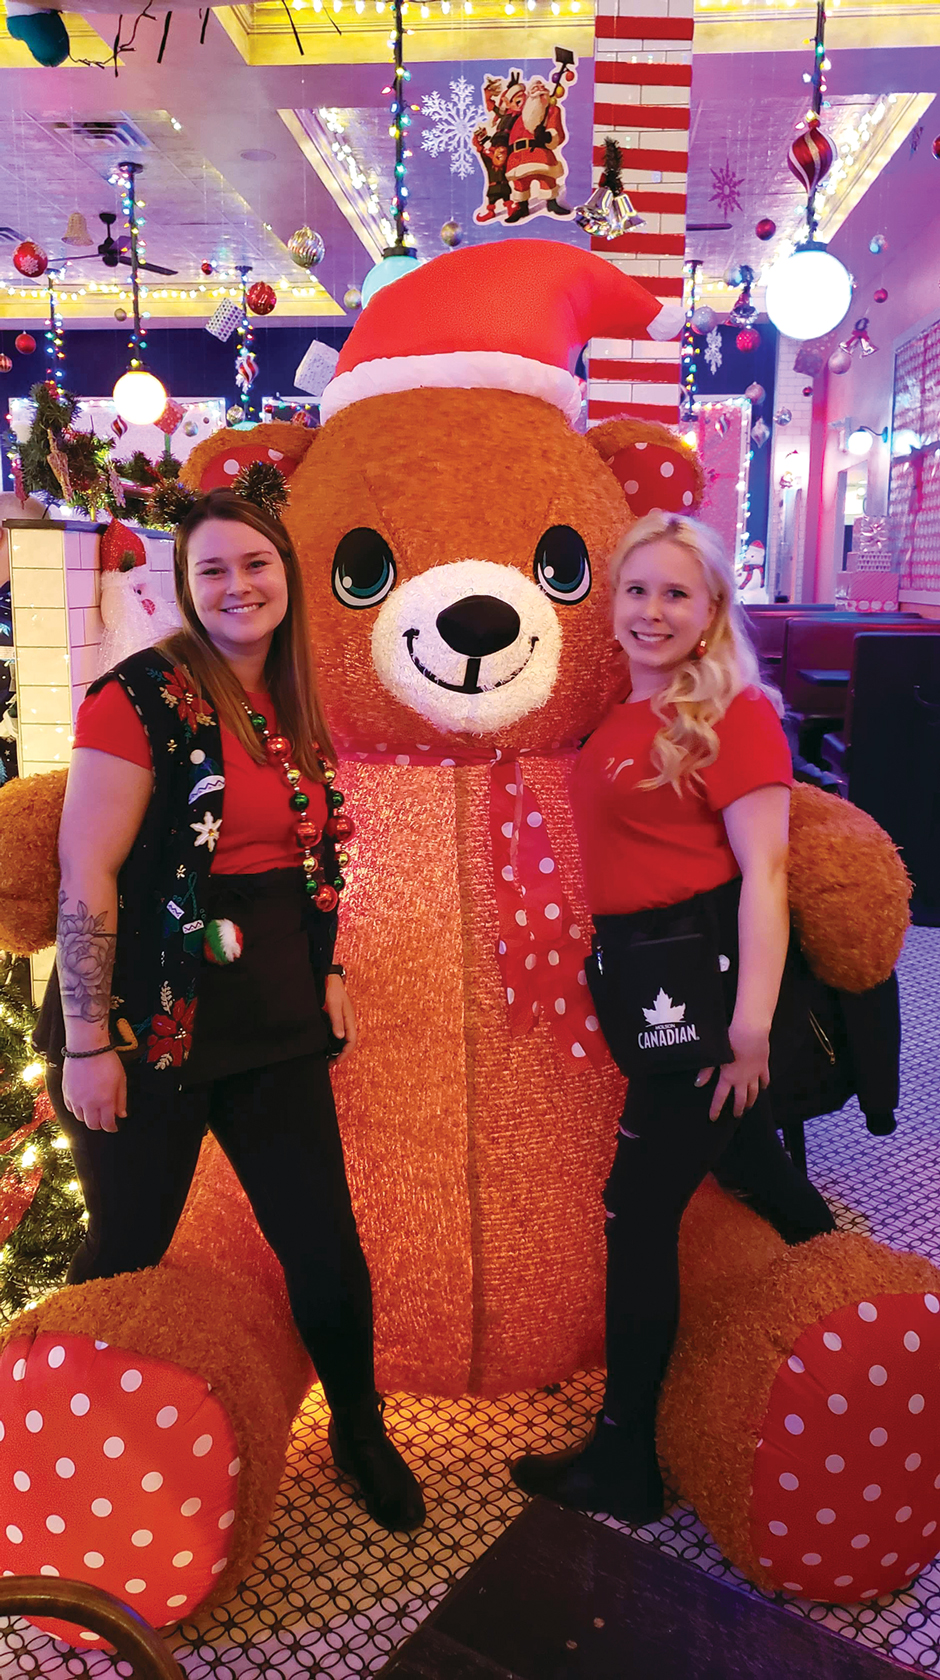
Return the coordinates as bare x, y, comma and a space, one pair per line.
455, 548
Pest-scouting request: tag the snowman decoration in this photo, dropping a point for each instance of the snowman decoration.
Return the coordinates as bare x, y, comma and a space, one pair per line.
134, 613
750, 574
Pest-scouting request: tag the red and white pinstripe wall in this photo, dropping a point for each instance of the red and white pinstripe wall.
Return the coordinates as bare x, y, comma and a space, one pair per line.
642, 84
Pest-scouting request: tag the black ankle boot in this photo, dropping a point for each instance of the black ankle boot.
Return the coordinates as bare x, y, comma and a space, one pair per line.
362, 1450
614, 1470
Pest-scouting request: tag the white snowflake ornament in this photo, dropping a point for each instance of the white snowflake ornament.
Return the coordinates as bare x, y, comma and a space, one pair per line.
713, 350
454, 125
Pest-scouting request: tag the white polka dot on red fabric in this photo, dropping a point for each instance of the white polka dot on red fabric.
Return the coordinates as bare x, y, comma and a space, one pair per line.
667, 469
521, 918
227, 1519
189, 1507
592, 1023
860, 1541
872, 1492
230, 467
14, 1534
141, 1537
913, 1461
19, 1370
535, 819
531, 960
639, 446
867, 1311
135, 1585
175, 1602
511, 788
766, 1563
90, 1637
275, 455
552, 912
131, 1381
402, 758
55, 1524
792, 1586
788, 1481
870, 1592
506, 830
34, 1422
825, 1516
152, 1481
113, 1447
796, 1364
510, 994
811, 1558
48, 1569
837, 1403
631, 486
793, 1424
65, 1468
578, 1050
21, 1481
560, 1006
778, 1528
79, 1404
835, 1464
877, 1375
903, 1514
915, 1403
55, 1357
546, 865
501, 947
931, 1303
181, 1559
93, 1560
217, 1568
235, 1466
507, 872
574, 932
832, 1341
912, 1341
687, 498
101, 1507
928, 1530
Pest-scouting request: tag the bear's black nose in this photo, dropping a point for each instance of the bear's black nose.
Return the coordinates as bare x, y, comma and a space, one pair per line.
478, 625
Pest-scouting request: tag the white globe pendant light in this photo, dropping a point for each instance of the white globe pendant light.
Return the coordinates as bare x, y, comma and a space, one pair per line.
139, 397
808, 293
391, 267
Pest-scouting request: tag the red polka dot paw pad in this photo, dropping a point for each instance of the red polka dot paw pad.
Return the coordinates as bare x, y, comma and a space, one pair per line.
846, 1491
114, 1469
654, 476
224, 468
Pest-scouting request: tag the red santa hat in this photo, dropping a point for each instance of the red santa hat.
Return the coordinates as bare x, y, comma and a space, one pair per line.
511, 316
120, 548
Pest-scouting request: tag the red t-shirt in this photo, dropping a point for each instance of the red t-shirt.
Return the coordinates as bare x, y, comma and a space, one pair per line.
642, 848
259, 826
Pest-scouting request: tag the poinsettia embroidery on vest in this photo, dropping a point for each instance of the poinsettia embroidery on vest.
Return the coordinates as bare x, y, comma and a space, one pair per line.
666, 1019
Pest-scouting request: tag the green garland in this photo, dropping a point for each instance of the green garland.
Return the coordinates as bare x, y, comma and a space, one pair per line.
54, 448
35, 1255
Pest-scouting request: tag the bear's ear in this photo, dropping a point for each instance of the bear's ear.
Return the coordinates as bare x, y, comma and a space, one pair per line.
654, 467
216, 461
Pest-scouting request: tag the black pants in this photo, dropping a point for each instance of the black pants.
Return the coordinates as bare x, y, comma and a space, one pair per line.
278, 1127
667, 1145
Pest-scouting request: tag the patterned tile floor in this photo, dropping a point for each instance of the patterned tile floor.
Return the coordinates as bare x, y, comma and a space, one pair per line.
333, 1596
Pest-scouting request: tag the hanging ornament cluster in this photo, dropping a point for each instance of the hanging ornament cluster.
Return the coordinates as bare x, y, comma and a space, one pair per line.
30, 259
261, 298
451, 235
306, 248
765, 228
608, 212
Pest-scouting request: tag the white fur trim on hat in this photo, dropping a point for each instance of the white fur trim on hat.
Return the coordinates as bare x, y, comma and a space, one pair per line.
668, 323
458, 370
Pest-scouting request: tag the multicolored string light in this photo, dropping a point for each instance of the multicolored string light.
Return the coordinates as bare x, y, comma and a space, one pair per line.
55, 340
690, 345
817, 81
125, 177
400, 111
244, 338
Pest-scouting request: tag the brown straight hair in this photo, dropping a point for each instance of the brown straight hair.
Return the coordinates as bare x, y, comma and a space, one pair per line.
289, 671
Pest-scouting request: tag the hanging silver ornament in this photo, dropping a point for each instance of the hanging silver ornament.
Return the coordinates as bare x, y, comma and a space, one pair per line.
760, 433
840, 361
190, 428
594, 216
120, 314
352, 298
703, 319
306, 248
755, 392
234, 415
783, 417
452, 234
623, 218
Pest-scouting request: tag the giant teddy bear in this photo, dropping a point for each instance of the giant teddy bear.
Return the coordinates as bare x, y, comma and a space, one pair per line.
454, 532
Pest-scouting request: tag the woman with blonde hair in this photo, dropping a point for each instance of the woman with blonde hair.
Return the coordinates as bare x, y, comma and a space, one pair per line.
195, 988
681, 802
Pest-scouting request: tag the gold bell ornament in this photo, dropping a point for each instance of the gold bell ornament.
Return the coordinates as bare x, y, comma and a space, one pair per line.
77, 231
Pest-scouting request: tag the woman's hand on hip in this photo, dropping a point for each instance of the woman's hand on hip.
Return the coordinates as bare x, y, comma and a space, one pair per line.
340, 1014
746, 1076
94, 1089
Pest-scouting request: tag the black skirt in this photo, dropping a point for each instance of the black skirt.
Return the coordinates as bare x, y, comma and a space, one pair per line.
267, 1005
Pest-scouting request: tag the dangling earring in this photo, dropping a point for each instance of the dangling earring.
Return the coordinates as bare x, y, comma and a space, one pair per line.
702, 649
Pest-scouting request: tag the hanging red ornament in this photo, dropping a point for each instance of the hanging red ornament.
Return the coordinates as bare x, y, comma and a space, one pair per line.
5, 364
261, 298
881, 295
748, 339
807, 390
24, 343
935, 148
30, 259
206, 267
765, 228
811, 157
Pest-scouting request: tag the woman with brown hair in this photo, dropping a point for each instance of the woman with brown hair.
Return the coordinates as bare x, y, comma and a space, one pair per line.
201, 849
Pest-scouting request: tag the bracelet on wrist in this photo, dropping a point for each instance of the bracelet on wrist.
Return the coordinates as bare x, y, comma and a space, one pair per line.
82, 1055
337, 968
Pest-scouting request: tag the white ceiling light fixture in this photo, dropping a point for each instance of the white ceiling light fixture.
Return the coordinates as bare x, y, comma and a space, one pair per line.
808, 292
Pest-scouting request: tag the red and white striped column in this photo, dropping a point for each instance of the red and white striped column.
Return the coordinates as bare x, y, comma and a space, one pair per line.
642, 86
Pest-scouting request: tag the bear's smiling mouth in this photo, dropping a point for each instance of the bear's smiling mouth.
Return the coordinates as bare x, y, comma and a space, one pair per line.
470, 684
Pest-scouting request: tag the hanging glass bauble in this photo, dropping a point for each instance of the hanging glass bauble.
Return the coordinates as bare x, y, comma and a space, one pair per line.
306, 248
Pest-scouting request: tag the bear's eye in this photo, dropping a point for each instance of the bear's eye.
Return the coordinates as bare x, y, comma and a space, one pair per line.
363, 568
561, 564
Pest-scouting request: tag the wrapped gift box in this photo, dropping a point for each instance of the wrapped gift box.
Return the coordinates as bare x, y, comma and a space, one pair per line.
870, 560
870, 531
867, 592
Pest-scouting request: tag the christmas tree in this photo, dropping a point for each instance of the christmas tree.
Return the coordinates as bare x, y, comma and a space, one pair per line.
41, 1209
64, 464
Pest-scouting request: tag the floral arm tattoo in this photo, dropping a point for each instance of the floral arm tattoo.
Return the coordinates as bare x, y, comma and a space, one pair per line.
85, 960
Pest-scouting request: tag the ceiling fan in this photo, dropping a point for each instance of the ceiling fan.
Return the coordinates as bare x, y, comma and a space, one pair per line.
112, 254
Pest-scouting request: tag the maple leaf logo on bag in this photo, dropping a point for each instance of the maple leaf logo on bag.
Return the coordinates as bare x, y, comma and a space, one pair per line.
664, 1012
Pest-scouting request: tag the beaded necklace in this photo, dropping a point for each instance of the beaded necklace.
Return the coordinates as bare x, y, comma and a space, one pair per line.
325, 894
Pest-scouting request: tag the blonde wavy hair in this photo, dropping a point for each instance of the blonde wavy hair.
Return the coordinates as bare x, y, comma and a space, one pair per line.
700, 690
